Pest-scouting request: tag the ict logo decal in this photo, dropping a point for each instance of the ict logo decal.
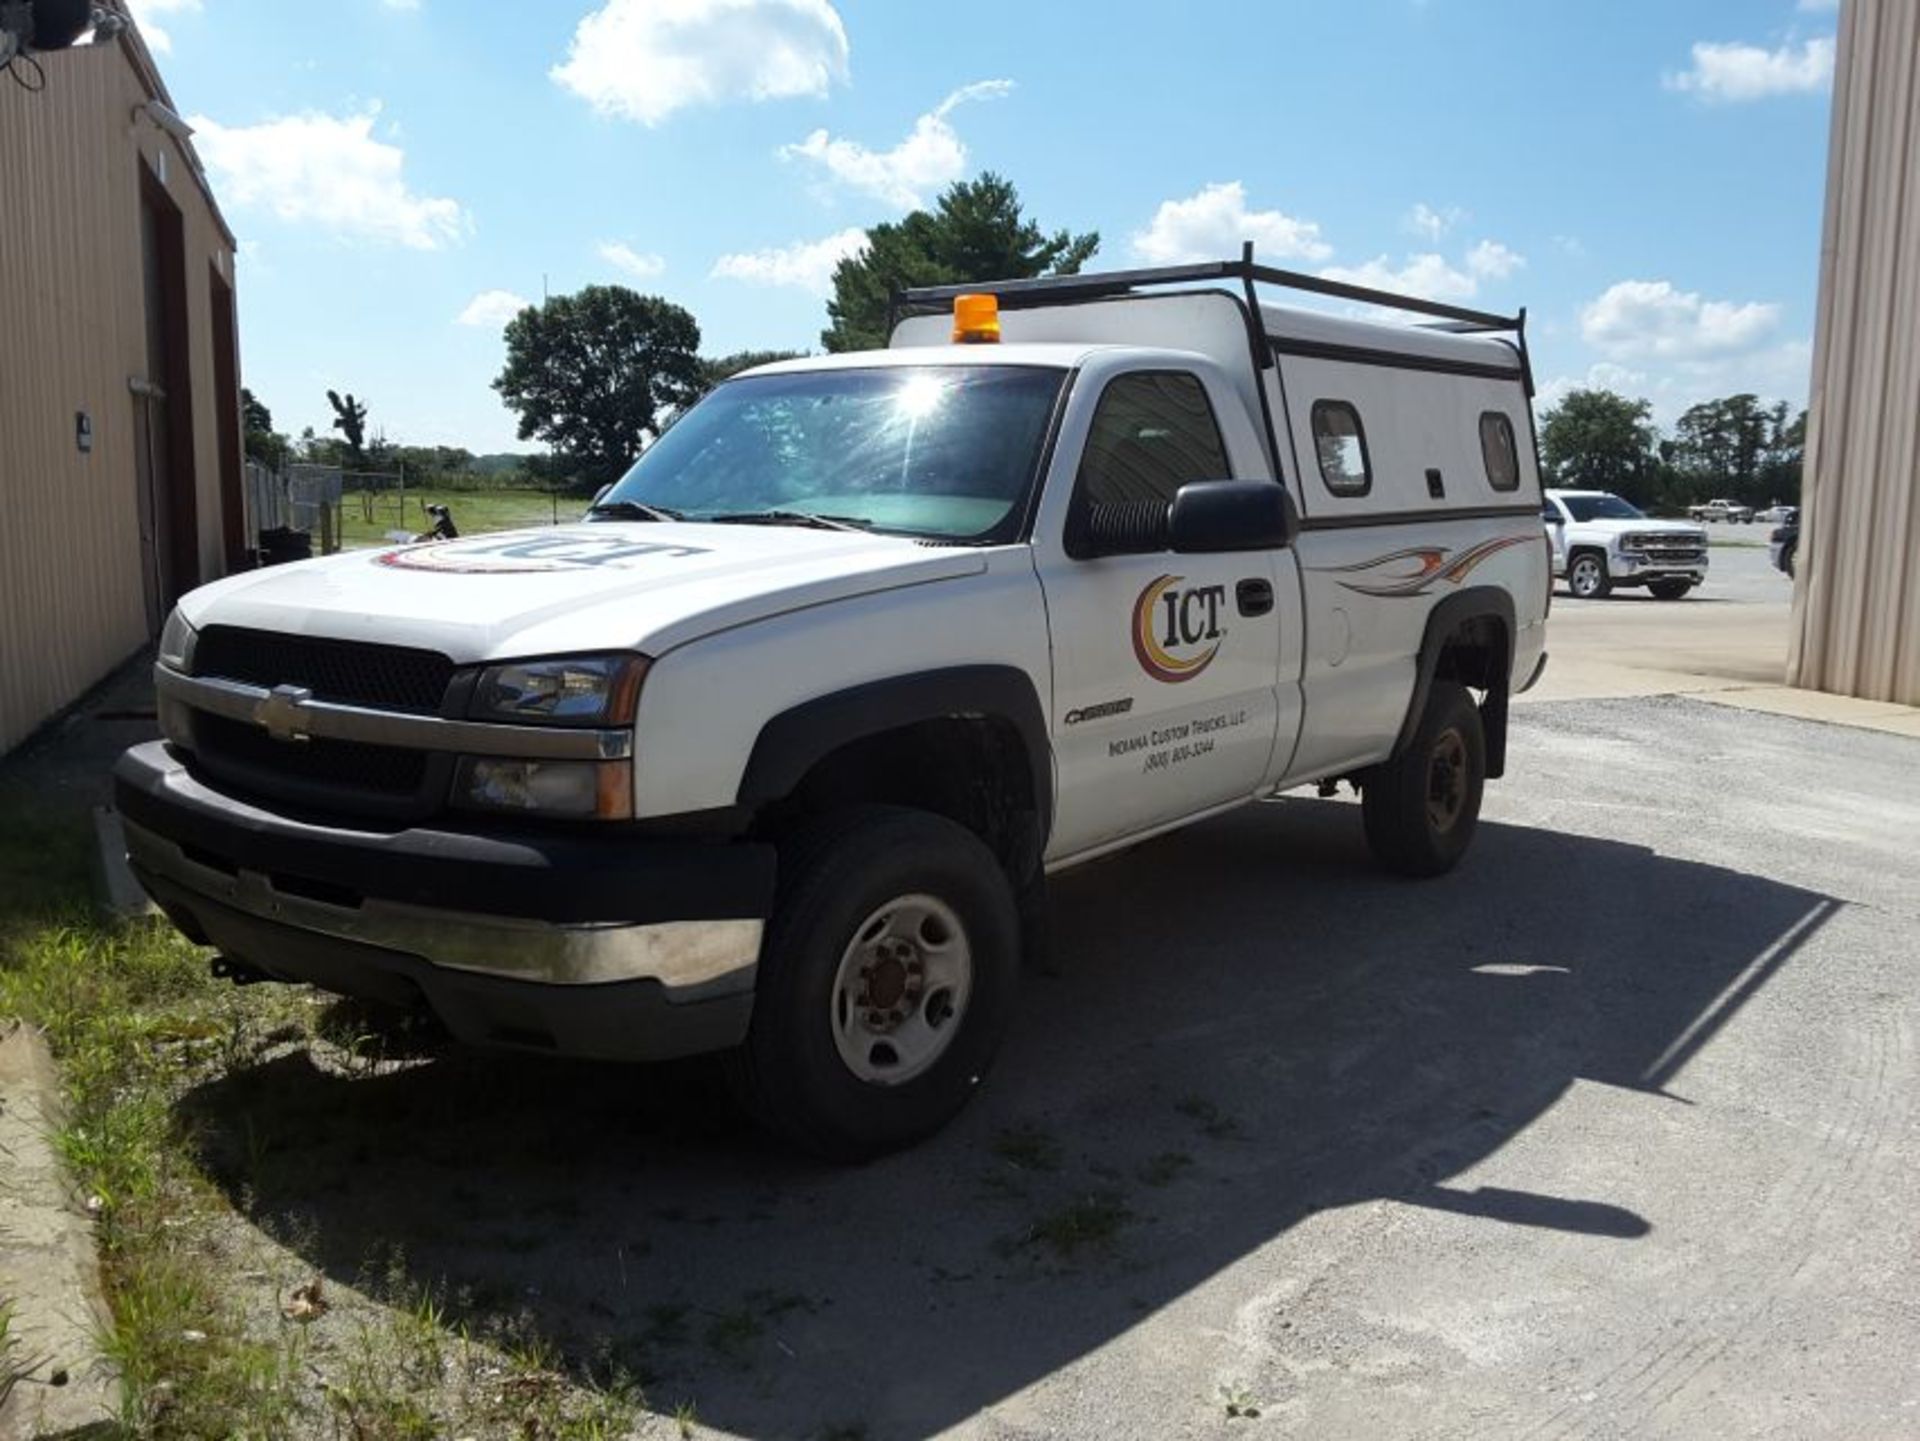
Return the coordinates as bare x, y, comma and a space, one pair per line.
1176, 633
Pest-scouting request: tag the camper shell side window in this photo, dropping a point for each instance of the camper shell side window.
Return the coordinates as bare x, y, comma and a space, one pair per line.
1340, 443
1498, 450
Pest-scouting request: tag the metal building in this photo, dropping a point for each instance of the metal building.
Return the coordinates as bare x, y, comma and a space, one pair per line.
120, 431
1856, 604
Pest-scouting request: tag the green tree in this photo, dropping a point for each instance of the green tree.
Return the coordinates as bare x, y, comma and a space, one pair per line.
263, 443
1780, 467
350, 419
597, 374
975, 232
1719, 447
1597, 440
715, 369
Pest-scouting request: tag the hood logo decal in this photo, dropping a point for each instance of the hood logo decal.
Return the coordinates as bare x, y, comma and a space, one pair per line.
1410, 572
520, 553
1165, 618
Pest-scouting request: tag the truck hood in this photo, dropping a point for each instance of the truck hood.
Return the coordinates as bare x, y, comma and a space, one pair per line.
1643, 527
647, 586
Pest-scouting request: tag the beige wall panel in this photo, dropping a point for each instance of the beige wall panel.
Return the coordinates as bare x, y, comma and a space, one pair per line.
71, 597
1856, 619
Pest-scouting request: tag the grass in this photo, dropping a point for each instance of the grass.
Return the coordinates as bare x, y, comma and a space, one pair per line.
365, 519
1210, 1119
1027, 1147
1165, 1168
136, 1022
1087, 1224
15, 1365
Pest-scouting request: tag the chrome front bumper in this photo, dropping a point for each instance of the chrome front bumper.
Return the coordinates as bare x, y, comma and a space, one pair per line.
679, 954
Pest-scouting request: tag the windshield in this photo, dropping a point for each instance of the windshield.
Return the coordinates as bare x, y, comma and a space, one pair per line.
1599, 507
947, 452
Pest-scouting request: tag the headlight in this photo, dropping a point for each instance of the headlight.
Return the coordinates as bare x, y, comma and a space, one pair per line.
1633, 543
177, 640
569, 790
582, 691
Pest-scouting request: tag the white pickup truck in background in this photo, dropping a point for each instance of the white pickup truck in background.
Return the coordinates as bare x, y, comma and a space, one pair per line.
1721, 510
773, 753
1600, 542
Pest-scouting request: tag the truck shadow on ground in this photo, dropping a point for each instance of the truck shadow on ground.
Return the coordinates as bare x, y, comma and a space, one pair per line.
1243, 1025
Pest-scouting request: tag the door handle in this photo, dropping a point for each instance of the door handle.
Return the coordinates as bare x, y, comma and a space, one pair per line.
1254, 597
1436, 485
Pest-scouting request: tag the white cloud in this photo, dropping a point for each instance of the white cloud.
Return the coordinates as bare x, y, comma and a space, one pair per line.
1817, 5
931, 157
1429, 276
1643, 319
147, 13
808, 264
625, 257
1423, 220
1212, 224
644, 59
328, 172
1490, 260
1734, 72
1774, 372
491, 309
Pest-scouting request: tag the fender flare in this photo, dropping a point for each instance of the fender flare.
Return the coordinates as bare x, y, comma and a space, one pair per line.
791, 743
1480, 602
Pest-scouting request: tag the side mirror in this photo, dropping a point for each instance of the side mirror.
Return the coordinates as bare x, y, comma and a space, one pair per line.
1212, 516
601, 494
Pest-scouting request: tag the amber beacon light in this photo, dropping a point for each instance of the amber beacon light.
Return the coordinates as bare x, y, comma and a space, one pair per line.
976, 319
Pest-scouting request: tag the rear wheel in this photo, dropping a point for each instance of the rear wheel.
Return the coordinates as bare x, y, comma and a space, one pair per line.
1421, 807
1587, 576
887, 983
1669, 589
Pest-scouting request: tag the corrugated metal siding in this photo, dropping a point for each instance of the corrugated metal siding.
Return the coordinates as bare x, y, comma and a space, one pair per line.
72, 333
1856, 611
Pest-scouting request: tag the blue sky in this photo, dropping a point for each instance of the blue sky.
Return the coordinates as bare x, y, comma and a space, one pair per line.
1646, 177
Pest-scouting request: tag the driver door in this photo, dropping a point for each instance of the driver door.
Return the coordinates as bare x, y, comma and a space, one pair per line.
1165, 666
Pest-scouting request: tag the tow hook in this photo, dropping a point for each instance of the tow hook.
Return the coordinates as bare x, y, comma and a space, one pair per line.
241, 973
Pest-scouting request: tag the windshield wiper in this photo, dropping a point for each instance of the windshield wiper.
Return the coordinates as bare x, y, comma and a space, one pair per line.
790, 517
633, 510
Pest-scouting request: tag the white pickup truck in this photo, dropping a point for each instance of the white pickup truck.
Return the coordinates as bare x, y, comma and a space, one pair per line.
1600, 541
772, 753
1727, 510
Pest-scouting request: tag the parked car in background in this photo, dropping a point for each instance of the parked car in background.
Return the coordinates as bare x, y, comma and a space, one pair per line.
1600, 541
1778, 515
1728, 510
1784, 543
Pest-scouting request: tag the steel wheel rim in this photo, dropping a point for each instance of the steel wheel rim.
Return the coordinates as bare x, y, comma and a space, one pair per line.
1586, 576
1446, 781
900, 993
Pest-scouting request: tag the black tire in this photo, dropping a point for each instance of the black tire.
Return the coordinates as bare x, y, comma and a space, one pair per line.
1669, 589
1786, 560
835, 876
1587, 576
1412, 828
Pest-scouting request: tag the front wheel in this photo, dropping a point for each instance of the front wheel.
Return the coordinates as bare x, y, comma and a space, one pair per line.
887, 983
1587, 577
1421, 807
1669, 589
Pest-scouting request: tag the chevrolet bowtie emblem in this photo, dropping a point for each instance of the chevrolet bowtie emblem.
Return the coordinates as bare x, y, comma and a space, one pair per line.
282, 711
